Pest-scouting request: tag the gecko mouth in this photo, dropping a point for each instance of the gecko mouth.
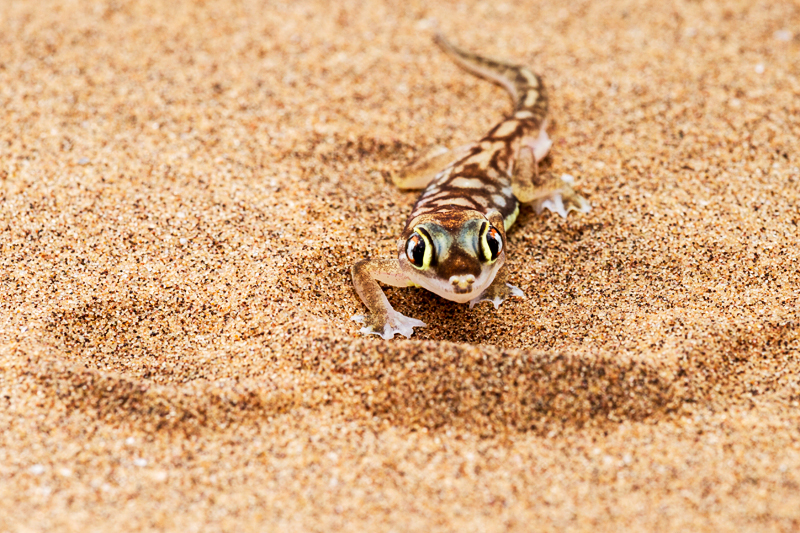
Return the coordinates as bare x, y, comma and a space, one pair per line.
459, 293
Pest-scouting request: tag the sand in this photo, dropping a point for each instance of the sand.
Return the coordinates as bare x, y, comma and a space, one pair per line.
186, 184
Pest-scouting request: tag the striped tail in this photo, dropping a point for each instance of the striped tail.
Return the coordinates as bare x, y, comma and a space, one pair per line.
525, 87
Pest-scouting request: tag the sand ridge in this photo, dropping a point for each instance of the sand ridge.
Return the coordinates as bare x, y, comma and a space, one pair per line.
185, 185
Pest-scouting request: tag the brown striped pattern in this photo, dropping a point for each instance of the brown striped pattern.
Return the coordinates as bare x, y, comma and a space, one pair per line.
481, 180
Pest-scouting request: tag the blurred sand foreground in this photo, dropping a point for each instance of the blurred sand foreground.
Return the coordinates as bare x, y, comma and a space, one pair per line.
185, 185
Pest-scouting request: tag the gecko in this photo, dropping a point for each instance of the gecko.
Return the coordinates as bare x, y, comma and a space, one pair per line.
454, 240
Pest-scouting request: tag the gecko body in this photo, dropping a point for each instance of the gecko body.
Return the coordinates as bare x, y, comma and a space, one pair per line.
453, 243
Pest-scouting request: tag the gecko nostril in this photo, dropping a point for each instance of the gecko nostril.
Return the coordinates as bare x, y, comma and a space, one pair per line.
468, 279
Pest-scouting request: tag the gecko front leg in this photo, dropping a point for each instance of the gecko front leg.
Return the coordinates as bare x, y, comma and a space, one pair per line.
419, 173
381, 319
498, 292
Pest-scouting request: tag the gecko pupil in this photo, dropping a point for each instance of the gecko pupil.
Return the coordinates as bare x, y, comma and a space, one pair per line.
416, 250
494, 242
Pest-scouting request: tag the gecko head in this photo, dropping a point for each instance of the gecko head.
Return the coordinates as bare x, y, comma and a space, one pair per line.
455, 253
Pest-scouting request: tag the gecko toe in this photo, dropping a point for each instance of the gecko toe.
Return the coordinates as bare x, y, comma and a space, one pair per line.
390, 325
497, 295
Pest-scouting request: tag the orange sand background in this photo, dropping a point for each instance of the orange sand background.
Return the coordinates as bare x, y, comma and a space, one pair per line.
185, 185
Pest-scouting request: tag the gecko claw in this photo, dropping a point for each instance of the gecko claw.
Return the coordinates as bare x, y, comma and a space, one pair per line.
497, 294
387, 326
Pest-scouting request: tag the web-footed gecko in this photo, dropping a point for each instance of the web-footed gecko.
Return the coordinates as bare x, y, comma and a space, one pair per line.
454, 240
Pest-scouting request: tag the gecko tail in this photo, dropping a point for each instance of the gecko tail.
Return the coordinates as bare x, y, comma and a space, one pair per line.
525, 87
493, 70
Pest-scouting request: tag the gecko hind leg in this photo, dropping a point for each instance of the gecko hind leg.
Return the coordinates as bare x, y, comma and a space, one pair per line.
559, 197
525, 178
419, 173
544, 190
540, 145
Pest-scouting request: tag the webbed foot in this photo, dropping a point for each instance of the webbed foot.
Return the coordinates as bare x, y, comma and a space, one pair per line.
563, 199
387, 325
497, 293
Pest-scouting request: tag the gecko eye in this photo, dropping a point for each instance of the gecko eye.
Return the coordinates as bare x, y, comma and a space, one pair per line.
492, 244
419, 251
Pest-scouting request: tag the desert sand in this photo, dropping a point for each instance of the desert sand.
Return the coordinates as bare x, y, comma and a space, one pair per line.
184, 186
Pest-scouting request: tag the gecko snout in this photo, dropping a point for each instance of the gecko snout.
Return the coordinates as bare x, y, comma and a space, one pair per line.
462, 283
